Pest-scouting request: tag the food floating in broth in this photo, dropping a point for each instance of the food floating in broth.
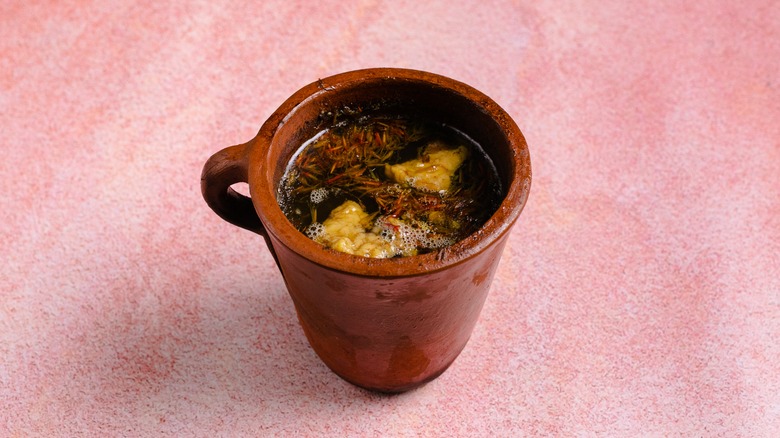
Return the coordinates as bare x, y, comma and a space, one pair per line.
389, 187
433, 171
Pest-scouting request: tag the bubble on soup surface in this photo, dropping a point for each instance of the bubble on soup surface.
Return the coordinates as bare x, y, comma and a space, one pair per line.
314, 230
319, 195
415, 236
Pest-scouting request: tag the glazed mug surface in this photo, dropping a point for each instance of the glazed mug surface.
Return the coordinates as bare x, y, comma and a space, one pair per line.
383, 324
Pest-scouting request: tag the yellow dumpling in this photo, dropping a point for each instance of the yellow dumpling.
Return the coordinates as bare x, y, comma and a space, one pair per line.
345, 230
433, 171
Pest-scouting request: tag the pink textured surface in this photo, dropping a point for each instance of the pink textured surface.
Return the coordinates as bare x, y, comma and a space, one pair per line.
639, 293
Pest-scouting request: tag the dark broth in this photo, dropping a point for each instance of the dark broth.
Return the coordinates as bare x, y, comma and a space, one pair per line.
371, 161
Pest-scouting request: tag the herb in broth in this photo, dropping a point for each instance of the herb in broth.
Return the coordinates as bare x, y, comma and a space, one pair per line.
388, 187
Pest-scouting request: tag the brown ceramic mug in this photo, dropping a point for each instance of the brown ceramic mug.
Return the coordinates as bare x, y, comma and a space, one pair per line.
383, 324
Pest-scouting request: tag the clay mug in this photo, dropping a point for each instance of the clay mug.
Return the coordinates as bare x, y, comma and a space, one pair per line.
392, 324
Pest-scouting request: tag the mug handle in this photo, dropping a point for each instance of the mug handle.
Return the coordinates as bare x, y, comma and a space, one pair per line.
222, 170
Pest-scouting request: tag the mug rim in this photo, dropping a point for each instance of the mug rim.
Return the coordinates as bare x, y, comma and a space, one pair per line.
263, 189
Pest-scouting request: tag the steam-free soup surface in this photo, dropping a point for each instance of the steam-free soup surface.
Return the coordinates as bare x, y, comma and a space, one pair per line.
389, 187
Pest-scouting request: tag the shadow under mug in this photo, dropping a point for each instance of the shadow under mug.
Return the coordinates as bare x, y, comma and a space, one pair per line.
393, 324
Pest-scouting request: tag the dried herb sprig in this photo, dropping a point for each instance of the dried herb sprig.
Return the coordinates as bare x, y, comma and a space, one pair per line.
351, 157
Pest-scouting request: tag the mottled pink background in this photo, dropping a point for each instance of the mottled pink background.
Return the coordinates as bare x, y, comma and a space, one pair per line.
639, 294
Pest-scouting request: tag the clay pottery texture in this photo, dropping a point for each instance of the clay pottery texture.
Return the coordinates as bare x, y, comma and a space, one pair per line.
383, 324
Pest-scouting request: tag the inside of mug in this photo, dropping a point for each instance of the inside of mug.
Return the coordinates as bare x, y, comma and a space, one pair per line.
383, 96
